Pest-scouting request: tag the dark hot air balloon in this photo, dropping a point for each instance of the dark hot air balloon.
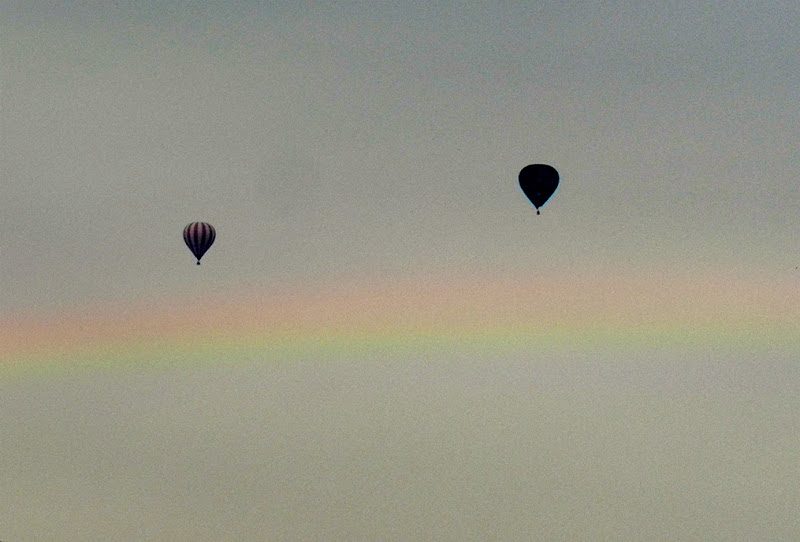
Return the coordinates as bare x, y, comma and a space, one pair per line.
538, 181
199, 236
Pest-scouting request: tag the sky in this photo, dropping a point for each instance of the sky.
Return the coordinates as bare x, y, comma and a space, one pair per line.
385, 341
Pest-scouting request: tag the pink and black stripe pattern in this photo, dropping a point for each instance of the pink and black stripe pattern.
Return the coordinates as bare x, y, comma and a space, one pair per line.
199, 236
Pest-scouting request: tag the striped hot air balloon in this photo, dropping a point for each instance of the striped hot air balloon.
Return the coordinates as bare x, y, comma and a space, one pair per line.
199, 236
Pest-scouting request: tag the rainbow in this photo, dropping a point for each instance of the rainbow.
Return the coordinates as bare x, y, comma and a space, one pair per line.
632, 310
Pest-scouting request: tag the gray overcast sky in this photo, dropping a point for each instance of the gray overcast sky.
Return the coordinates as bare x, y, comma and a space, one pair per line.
379, 143
366, 138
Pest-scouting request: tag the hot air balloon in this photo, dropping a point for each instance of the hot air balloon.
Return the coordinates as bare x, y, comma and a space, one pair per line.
199, 236
538, 181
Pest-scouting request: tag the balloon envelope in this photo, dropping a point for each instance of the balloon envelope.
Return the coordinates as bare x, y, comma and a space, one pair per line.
199, 236
538, 182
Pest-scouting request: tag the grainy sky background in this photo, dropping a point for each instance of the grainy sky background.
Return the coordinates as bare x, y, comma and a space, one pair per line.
358, 143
